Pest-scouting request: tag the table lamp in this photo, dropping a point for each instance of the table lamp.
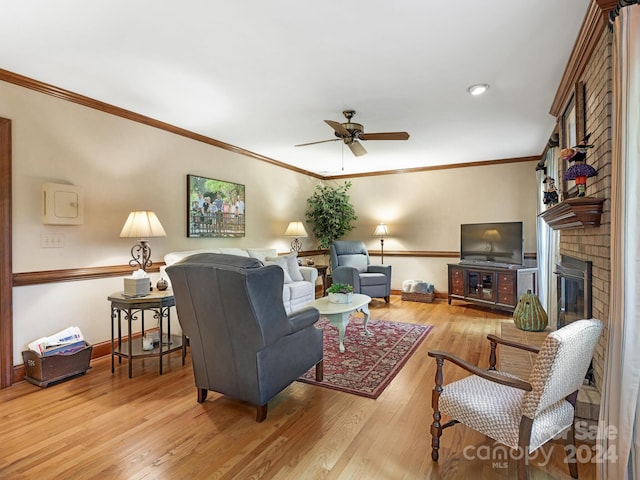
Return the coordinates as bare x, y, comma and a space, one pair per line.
142, 224
381, 231
296, 229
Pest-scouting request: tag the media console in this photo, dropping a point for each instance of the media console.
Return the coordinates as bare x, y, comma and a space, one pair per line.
490, 285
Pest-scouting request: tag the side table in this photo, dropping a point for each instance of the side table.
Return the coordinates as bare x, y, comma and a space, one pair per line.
322, 272
157, 302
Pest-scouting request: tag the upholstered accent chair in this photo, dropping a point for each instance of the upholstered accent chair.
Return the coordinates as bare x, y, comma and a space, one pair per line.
242, 342
350, 264
520, 414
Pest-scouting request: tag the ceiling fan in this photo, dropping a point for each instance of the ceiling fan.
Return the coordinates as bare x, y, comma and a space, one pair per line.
350, 132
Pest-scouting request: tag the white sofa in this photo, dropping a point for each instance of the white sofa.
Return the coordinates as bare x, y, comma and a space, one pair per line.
300, 282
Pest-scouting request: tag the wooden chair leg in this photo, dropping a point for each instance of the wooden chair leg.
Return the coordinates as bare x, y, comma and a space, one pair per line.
436, 427
570, 441
261, 412
526, 425
202, 394
570, 448
319, 371
386, 299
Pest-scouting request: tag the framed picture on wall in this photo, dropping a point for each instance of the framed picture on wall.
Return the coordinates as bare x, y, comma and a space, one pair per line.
215, 208
573, 131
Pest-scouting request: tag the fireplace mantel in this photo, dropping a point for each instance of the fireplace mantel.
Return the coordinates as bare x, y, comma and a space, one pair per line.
576, 212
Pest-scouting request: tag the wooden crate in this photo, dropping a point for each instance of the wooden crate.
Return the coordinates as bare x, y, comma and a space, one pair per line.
42, 371
417, 297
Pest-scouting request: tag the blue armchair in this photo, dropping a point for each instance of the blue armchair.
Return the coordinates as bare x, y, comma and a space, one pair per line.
242, 342
350, 264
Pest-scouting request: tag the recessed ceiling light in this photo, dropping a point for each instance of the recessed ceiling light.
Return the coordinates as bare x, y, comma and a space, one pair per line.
478, 89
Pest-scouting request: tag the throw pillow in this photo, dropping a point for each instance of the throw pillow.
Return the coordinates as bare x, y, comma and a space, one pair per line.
282, 263
294, 268
262, 253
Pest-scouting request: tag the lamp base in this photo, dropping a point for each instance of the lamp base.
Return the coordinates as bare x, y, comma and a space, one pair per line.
141, 255
296, 245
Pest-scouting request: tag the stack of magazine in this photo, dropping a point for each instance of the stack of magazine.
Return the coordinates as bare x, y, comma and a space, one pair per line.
67, 341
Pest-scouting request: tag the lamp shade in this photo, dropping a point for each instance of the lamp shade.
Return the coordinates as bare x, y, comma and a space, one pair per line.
381, 231
296, 229
142, 224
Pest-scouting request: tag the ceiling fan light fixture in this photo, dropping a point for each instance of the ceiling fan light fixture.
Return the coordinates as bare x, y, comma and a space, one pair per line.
350, 132
478, 89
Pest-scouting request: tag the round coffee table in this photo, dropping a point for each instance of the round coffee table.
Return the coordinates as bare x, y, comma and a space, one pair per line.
340, 313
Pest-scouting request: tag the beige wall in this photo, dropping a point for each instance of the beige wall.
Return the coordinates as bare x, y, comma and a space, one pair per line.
123, 166
423, 212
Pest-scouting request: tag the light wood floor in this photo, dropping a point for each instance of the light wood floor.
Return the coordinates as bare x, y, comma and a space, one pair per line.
151, 427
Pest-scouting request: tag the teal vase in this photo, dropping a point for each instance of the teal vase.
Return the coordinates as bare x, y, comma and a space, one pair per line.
529, 314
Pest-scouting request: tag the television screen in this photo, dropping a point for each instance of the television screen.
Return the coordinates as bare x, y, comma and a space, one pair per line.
500, 243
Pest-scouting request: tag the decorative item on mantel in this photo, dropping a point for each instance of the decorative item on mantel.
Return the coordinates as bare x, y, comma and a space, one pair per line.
579, 171
529, 314
340, 293
550, 197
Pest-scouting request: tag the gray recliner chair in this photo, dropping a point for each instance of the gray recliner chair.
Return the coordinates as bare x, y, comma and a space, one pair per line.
242, 342
350, 264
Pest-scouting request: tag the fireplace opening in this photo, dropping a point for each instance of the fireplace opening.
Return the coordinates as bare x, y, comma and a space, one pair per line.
574, 290
574, 294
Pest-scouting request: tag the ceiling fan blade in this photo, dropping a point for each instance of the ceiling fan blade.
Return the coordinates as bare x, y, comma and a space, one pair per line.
384, 136
340, 130
356, 148
321, 141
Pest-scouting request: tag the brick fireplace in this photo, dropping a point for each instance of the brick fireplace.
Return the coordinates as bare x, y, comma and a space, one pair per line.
592, 244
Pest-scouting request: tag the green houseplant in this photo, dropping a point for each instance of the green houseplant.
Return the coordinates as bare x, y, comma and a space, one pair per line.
340, 288
330, 213
340, 293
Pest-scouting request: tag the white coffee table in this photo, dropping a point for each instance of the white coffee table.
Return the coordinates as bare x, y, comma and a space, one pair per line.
340, 313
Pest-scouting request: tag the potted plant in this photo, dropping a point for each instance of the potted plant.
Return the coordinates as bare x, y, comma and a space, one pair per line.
340, 293
330, 213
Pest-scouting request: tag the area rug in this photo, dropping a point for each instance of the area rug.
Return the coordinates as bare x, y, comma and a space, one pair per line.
369, 362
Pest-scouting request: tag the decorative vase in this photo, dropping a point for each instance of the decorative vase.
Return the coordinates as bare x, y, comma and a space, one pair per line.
310, 261
162, 284
529, 314
340, 297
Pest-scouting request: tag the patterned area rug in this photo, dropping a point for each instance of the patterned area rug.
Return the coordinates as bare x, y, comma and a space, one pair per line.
370, 362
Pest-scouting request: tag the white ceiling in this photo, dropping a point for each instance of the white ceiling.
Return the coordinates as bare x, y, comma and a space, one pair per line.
264, 75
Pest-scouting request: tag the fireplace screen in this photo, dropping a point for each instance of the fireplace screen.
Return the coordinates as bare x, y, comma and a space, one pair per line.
574, 295
574, 290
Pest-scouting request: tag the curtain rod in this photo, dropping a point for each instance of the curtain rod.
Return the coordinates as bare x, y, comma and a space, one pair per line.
616, 11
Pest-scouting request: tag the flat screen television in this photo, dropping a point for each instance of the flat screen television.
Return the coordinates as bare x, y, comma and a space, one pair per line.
499, 243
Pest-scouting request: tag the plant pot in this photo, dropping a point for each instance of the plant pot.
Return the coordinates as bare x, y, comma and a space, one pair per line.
340, 297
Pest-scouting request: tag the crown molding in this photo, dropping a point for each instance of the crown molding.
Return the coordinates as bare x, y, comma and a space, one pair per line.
69, 96
593, 25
